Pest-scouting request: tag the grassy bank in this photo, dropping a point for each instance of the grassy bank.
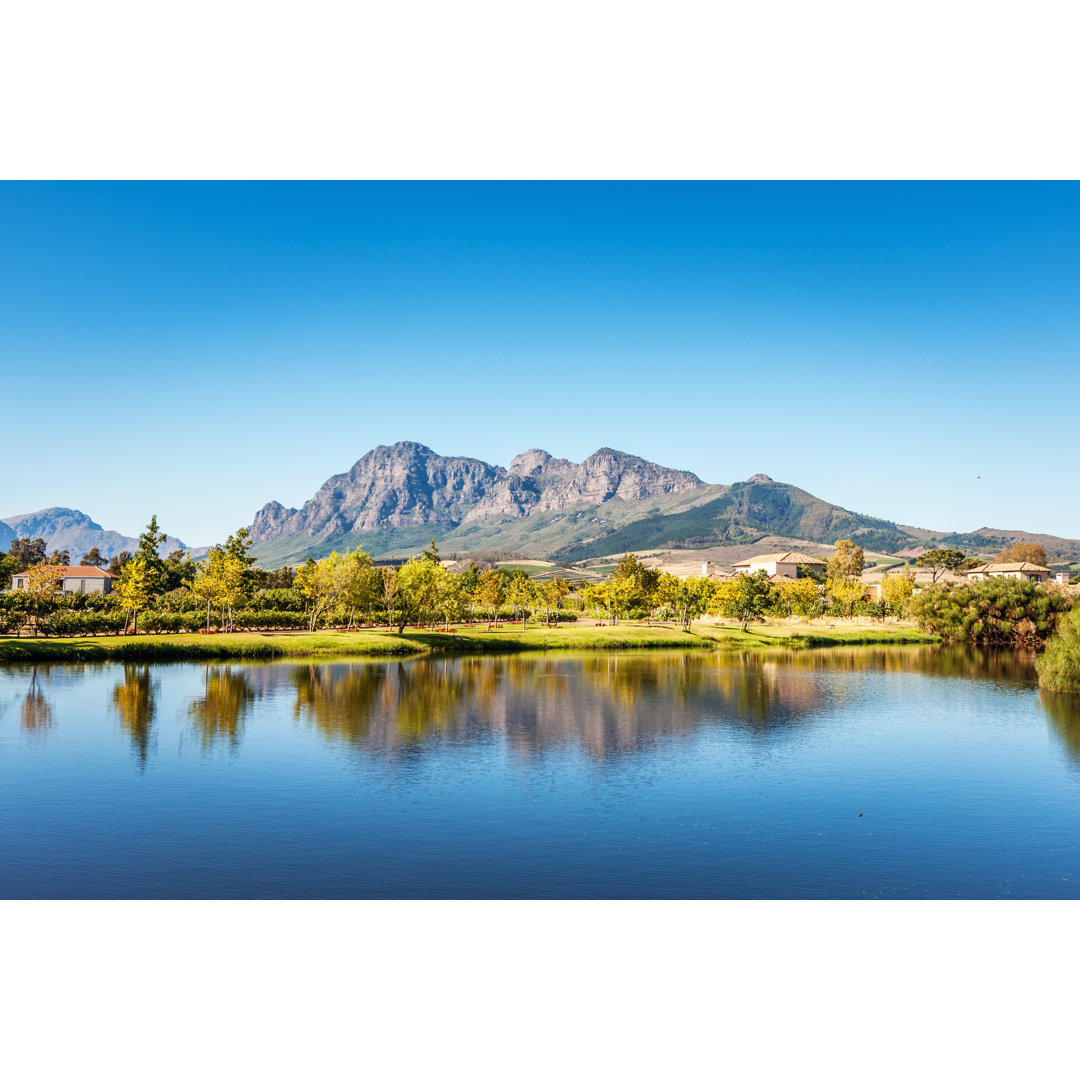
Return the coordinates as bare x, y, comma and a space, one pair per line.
322, 644
766, 637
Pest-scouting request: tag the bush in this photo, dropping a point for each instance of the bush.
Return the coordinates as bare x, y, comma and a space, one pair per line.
1002, 612
82, 623
249, 619
1059, 665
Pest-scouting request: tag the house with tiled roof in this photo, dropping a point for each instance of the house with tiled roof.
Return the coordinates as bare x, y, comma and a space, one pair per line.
85, 579
1025, 571
785, 564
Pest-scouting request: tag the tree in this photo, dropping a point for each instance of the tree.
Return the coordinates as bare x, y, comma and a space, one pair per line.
416, 591
689, 597
940, 559
750, 597
522, 595
449, 596
1025, 551
27, 553
897, 589
846, 591
59, 558
847, 562
359, 583
43, 582
135, 589
149, 542
208, 584
799, 596
633, 585
179, 571
117, 562
431, 554
491, 593
550, 594
93, 558
389, 592
322, 583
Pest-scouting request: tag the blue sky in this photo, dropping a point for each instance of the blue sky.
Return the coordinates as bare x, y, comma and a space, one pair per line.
196, 350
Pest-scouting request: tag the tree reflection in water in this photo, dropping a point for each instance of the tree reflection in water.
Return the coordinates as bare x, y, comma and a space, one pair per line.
135, 703
607, 703
35, 710
220, 713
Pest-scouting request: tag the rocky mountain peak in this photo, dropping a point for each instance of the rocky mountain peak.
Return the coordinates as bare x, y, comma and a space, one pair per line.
760, 478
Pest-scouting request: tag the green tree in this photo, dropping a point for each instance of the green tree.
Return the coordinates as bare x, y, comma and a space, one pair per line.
449, 596
417, 591
117, 562
179, 571
150, 539
941, 559
59, 558
27, 553
431, 554
751, 597
93, 558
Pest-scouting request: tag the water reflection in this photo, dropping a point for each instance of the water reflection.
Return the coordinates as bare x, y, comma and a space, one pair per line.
1064, 713
35, 710
220, 713
606, 703
135, 704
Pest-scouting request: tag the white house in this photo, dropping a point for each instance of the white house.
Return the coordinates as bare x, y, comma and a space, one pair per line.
74, 579
1023, 570
786, 564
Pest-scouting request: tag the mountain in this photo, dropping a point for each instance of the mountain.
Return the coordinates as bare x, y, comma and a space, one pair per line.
400, 496
396, 498
61, 527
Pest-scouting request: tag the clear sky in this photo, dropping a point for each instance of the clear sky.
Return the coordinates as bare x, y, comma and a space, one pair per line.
196, 350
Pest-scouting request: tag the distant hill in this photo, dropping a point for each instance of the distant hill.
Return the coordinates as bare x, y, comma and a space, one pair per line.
395, 499
61, 527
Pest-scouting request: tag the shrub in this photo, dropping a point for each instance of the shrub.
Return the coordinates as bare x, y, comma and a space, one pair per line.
1001, 611
1059, 665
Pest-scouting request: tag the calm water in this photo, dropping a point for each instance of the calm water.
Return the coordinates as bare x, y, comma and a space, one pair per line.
907, 773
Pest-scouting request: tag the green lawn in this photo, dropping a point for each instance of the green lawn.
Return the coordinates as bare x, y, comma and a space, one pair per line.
508, 638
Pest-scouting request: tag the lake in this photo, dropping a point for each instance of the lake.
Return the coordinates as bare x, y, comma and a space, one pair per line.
897, 773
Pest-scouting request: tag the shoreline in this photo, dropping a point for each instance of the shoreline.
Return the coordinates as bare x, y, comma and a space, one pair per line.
379, 643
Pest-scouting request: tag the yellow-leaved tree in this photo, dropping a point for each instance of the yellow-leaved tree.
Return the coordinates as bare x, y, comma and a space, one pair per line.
134, 589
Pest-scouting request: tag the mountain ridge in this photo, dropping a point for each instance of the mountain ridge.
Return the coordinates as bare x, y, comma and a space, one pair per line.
62, 527
396, 498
